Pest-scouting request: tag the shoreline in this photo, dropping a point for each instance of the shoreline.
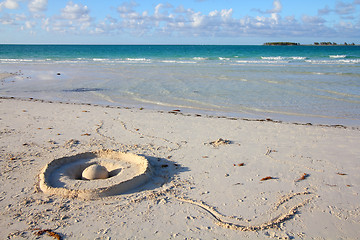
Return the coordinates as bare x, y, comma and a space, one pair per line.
55, 83
190, 113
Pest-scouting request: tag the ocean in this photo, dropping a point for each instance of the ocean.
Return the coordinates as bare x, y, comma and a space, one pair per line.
317, 84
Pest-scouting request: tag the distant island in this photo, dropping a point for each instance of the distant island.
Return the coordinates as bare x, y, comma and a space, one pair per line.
332, 44
281, 44
314, 44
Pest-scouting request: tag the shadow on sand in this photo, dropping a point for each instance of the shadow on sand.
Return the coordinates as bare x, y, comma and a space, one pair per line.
163, 171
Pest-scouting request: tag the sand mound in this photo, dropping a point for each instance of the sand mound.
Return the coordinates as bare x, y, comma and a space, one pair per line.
95, 171
63, 176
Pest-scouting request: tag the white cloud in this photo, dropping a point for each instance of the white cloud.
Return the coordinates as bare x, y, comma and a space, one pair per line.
45, 24
324, 11
185, 22
73, 19
181, 9
197, 19
342, 8
277, 7
38, 5
29, 24
348, 29
225, 13
12, 19
6, 19
312, 20
76, 12
127, 7
63, 26
108, 25
274, 13
181, 22
9, 4
161, 13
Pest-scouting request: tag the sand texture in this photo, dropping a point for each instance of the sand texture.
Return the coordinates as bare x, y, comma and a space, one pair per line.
201, 177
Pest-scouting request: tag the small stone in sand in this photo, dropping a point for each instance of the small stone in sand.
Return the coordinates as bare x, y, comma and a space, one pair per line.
266, 178
219, 142
72, 143
95, 171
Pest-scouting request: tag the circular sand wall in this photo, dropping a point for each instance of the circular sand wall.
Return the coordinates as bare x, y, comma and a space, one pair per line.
64, 176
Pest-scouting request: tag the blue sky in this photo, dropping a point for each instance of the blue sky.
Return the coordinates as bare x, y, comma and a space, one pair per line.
178, 22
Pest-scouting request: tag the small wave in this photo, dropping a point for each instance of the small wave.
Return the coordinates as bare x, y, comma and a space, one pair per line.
186, 62
350, 61
341, 94
26, 60
298, 58
8, 60
272, 58
320, 62
337, 56
177, 61
138, 59
224, 59
13, 60
67, 61
200, 58
100, 59
339, 61
272, 81
243, 80
261, 62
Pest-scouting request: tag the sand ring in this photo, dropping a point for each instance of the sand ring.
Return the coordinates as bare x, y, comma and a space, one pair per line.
63, 176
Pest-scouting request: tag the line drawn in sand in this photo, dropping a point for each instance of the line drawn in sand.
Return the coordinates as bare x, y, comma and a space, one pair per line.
228, 222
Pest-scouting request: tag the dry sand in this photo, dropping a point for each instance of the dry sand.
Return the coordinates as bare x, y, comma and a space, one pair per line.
212, 177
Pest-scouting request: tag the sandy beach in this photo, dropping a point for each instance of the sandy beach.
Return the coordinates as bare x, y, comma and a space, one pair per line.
211, 177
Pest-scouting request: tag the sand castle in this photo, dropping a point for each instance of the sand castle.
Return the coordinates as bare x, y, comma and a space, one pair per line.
94, 174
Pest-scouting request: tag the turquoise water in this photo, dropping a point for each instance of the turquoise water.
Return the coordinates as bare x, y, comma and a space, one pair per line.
175, 52
296, 83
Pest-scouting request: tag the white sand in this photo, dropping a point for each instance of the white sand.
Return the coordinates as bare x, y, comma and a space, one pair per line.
202, 187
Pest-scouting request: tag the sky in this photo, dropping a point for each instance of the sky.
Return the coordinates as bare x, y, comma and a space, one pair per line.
178, 22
